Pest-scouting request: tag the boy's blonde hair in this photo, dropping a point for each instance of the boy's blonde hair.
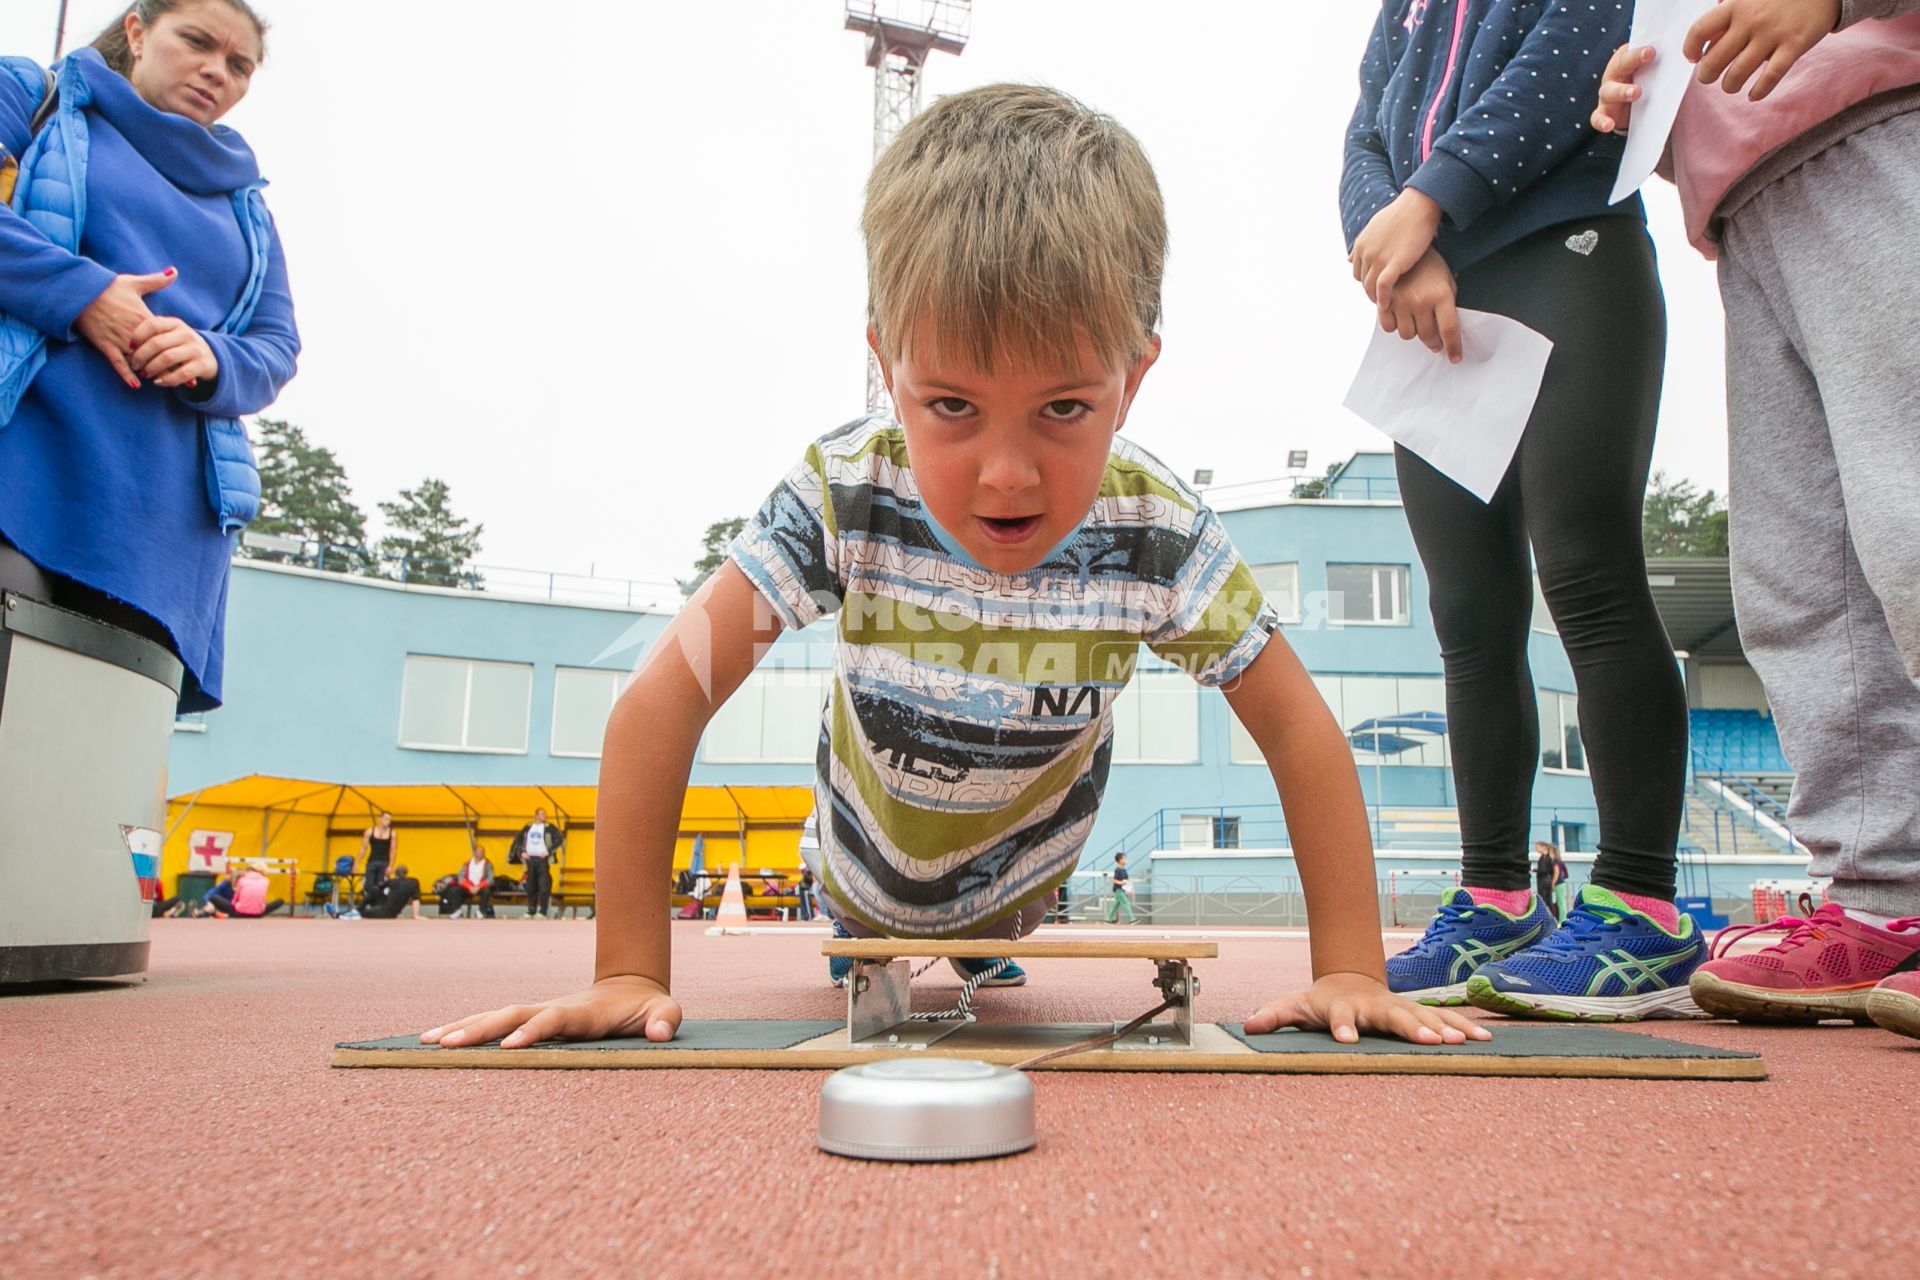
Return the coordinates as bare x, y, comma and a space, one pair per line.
1009, 217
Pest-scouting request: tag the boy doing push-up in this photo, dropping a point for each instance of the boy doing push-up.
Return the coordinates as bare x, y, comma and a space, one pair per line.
995, 558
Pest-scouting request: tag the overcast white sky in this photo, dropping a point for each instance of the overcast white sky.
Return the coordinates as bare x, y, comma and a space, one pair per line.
596, 263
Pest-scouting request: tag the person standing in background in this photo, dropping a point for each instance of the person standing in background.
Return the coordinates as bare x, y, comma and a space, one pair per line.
1122, 890
537, 846
1549, 874
376, 851
806, 893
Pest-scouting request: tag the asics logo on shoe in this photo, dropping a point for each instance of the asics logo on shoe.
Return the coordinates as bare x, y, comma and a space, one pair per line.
1636, 973
1471, 953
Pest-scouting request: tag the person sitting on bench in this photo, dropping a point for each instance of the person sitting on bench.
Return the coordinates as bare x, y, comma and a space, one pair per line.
396, 893
475, 885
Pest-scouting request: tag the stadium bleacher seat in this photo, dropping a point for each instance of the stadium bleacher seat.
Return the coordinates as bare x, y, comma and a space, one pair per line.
1736, 740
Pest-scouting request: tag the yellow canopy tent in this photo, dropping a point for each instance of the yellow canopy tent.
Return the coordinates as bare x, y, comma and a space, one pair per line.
313, 822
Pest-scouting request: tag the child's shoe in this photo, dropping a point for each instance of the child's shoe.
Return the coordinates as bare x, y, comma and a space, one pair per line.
1826, 967
1606, 963
1005, 973
1895, 1003
1462, 936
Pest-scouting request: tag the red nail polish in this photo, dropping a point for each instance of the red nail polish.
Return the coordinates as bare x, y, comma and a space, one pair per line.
169, 271
193, 382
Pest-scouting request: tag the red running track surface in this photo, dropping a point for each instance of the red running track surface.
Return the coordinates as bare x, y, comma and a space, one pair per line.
145, 1123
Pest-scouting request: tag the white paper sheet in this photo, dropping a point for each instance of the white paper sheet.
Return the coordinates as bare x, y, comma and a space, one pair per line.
1465, 419
1664, 25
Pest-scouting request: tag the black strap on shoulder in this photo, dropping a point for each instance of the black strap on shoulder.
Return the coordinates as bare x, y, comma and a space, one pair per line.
47, 106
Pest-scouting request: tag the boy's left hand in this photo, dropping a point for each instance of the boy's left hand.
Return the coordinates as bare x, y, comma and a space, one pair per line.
1739, 37
1393, 244
1348, 1003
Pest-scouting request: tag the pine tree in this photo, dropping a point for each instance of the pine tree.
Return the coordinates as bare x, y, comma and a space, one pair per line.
431, 545
714, 545
1679, 520
304, 494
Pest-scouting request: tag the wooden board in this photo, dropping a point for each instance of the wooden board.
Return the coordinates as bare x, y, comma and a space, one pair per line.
1559, 1051
1025, 949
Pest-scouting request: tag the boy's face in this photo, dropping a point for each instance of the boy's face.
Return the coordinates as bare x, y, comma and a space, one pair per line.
1010, 462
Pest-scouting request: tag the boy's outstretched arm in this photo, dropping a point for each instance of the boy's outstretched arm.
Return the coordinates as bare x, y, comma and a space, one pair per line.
1327, 819
703, 656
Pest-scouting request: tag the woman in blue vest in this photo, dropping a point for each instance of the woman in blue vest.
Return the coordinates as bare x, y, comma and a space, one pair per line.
144, 308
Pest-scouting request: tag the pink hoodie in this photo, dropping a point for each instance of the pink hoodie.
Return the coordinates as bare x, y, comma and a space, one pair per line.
1725, 149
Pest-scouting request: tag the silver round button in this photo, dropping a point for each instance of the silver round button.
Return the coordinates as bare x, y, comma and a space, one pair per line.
926, 1109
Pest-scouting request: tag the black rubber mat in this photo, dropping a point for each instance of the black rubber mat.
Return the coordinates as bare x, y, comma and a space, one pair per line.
1569, 1040
744, 1034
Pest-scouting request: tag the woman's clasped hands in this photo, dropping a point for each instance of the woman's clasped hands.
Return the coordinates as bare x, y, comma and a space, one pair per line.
165, 350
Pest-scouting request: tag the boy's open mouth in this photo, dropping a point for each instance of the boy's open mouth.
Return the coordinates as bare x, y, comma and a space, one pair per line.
1008, 528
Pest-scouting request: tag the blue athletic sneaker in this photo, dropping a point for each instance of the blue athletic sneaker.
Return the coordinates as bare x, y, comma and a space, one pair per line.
1462, 936
1607, 963
839, 967
1009, 975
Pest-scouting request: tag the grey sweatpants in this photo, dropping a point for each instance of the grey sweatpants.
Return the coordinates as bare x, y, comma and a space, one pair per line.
1820, 274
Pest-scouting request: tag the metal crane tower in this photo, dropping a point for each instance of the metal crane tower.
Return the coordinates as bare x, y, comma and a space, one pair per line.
900, 34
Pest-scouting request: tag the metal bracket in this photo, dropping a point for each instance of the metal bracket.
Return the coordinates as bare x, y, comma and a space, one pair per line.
880, 1008
1175, 981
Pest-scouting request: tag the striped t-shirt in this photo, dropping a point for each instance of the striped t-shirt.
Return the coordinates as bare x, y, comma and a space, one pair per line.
966, 740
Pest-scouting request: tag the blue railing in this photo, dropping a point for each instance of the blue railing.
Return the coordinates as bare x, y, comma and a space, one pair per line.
1705, 768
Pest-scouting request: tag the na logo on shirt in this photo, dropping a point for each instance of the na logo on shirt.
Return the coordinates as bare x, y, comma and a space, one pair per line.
1065, 700
1415, 14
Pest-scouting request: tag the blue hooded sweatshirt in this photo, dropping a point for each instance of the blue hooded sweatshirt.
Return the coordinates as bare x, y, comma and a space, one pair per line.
1484, 105
98, 482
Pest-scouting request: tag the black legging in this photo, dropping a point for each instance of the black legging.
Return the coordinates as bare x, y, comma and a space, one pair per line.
1575, 492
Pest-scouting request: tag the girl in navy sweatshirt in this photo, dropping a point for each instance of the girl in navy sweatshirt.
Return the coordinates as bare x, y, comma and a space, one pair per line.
1474, 179
162, 319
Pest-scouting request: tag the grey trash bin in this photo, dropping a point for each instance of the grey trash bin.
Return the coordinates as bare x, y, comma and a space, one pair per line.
86, 721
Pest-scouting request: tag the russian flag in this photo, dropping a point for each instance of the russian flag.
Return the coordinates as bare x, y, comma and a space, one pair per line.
143, 845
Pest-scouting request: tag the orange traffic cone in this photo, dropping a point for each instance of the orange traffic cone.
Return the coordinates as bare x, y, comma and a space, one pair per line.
733, 904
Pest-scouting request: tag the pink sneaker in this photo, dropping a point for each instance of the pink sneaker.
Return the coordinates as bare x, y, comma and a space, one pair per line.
1825, 967
1895, 1003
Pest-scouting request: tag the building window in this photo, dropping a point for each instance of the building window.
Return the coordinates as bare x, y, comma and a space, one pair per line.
1209, 831
583, 698
1280, 584
1560, 745
1156, 720
1413, 708
1542, 616
458, 704
772, 718
1367, 594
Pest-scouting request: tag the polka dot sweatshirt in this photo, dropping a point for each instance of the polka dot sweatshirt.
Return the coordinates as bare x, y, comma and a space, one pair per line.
1483, 105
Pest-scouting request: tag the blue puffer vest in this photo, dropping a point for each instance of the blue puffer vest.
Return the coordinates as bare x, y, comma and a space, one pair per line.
51, 193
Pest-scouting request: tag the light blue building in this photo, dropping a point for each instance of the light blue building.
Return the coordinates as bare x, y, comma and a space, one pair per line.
355, 680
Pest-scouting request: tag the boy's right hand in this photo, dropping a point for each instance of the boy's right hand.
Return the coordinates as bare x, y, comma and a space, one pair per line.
611, 1007
1618, 92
